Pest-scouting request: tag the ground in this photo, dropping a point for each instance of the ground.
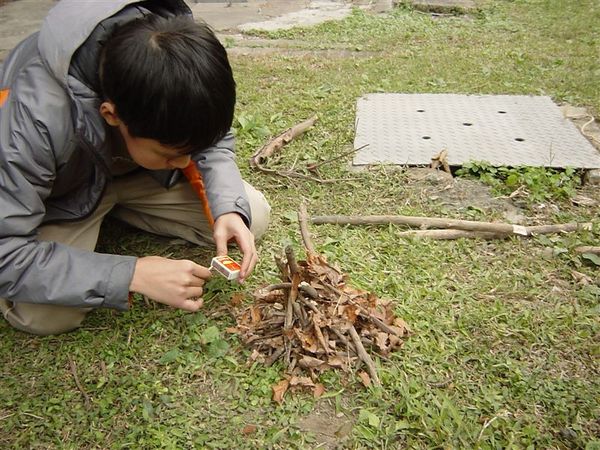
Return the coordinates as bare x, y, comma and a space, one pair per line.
504, 345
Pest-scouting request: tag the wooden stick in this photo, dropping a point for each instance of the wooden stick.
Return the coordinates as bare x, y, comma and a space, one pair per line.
436, 222
86, 397
343, 339
293, 294
320, 336
315, 166
588, 249
279, 141
378, 322
304, 287
285, 275
274, 356
291, 259
364, 356
452, 234
301, 176
304, 231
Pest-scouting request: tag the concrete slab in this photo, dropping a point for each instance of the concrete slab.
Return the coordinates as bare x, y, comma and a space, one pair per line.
316, 12
504, 130
228, 17
19, 18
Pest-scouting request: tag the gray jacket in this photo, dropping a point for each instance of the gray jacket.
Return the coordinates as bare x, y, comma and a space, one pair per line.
54, 158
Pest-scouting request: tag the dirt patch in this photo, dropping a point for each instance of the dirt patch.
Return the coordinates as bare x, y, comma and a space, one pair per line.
459, 194
331, 429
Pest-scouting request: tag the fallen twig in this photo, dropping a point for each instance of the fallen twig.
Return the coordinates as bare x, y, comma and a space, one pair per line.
364, 356
305, 233
500, 229
451, 234
315, 166
279, 141
588, 135
259, 158
588, 249
86, 397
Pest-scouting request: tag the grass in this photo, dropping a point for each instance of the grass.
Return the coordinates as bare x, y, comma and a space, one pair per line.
505, 347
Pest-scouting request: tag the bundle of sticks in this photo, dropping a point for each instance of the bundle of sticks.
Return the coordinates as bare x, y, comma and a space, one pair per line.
313, 320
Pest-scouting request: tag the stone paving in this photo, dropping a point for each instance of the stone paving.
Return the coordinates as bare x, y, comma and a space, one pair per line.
19, 18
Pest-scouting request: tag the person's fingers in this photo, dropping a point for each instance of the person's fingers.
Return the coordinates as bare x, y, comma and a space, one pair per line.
201, 272
250, 256
194, 292
221, 243
244, 274
190, 304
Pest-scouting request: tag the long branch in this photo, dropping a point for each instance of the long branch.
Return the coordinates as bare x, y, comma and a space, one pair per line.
588, 249
279, 141
437, 222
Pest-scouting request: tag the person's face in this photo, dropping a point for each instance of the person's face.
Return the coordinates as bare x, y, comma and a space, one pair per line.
151, 154
148, 153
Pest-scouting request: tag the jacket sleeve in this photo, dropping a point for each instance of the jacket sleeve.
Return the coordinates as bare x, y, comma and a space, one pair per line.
36, 271
222, 179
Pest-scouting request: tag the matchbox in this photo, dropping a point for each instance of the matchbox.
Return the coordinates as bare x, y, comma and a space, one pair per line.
226, 267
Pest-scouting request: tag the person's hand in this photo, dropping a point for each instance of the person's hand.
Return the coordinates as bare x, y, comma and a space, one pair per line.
231, 225
177, 283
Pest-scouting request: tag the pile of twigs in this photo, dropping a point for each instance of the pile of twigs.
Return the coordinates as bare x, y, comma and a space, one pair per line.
314, 320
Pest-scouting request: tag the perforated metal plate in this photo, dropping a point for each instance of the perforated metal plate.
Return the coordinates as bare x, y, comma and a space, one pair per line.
504, 130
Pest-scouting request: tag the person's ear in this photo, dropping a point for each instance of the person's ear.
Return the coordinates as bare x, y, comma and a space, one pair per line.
109, 112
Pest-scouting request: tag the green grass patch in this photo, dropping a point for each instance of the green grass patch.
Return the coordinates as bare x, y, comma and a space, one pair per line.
504, 351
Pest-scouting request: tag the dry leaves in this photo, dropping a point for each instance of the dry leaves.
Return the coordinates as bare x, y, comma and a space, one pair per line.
314, 321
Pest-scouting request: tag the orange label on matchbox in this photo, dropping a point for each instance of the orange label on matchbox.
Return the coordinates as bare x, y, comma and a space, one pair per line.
226, 267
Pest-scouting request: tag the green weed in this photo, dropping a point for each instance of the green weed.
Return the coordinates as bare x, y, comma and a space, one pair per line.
538, 184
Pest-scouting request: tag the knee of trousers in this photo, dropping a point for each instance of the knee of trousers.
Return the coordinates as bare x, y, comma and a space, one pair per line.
261, 213
45, 320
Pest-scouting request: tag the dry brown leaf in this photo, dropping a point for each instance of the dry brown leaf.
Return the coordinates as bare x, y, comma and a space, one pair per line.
255, 314
249, 429
279, 390
233, 330
310, 362
337, 361
236, 298
351, 312
256, 356
401, 325
581, 278
395, 341
318, 390
301, 381
307, 341
381, 340
365, 378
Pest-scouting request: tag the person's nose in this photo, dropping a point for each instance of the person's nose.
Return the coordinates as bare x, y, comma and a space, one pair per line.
181, 162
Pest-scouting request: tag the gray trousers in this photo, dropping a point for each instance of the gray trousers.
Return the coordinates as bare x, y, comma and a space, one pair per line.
138, 200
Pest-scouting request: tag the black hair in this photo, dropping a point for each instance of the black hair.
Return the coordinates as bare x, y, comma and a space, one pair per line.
170, 80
